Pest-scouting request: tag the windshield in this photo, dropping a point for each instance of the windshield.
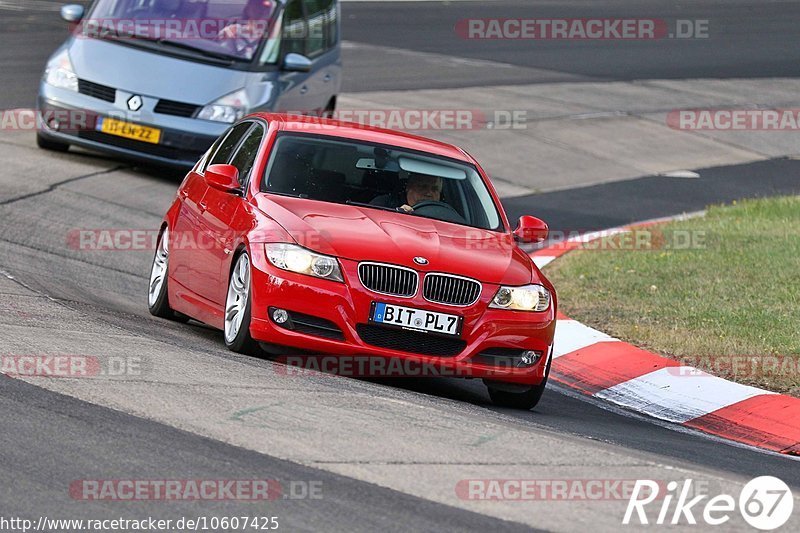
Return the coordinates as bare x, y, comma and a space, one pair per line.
224, 28
380, 177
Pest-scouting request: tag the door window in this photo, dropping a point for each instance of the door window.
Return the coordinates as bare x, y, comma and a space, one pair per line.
245, 156
228, 145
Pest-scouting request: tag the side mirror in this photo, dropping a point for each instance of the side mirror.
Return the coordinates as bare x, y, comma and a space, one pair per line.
531, 229
223, 177
296, 63
72, 12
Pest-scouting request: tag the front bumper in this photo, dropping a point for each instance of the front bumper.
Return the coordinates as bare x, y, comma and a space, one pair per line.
346, 307
183, 140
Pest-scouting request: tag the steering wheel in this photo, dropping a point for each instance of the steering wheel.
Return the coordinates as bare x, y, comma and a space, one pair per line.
439, 211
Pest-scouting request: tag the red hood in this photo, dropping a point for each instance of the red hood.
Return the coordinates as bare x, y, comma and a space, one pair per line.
366, 234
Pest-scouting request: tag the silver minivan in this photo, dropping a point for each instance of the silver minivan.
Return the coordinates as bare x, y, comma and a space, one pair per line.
159, 80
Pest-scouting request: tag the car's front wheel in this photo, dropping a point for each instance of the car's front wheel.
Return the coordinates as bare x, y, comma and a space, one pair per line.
518, 396
237, 308
157, 295
525, 399
47, 144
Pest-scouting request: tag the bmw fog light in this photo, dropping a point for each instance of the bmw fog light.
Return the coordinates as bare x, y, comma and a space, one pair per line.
280, 316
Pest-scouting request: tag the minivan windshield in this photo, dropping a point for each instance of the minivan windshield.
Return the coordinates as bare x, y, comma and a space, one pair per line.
339, 170
221, 28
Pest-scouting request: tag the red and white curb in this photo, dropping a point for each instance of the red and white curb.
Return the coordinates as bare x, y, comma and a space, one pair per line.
595, 364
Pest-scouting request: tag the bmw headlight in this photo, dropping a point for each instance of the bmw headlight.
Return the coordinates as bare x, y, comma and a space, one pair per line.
527, 298
298, 259
229, 108
59, 73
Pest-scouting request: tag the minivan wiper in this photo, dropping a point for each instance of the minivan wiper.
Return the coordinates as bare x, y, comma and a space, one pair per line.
215, 55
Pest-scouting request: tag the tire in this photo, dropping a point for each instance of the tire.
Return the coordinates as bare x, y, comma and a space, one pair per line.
506, 396
47, 144
525, 400
236, 330
157, 293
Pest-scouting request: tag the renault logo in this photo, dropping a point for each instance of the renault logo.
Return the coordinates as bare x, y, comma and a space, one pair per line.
420, 260
135, 102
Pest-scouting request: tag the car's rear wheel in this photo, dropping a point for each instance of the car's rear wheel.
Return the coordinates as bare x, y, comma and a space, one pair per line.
157, 294
237, 308
48, 144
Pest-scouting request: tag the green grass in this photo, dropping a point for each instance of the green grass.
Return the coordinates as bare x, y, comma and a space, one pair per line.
736, 294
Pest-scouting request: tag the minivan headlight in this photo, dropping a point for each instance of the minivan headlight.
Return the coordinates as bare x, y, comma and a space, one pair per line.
298, 259
59, 73
229, 108
527, 298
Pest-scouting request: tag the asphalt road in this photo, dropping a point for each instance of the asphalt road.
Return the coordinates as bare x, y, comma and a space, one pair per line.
68, 300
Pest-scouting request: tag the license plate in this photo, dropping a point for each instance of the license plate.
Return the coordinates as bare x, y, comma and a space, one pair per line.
416, 319
128, 130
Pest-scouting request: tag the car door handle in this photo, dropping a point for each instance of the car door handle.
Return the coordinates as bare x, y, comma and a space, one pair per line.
327, 78
203, 206
303, 89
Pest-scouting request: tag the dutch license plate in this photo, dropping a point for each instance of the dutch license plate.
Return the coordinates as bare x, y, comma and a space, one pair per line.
417, 319
128, 130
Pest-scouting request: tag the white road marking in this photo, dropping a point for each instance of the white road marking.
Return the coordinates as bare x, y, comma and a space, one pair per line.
571, 335
678, 394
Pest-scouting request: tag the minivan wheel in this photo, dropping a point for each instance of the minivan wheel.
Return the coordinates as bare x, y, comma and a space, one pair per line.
47, 144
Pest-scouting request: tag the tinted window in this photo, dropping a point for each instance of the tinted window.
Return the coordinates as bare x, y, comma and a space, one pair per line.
294, 28
319, 20
246, 154
227, 146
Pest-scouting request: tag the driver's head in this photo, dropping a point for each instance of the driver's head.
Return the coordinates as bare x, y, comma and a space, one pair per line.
258, 9
421, 187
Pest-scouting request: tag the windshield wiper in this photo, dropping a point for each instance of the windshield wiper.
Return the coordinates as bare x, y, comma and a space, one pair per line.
289, 194
360, 204
215, 55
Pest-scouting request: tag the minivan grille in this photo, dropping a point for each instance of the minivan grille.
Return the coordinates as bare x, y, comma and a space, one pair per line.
178, 109
451, 290
388, 279
95, 90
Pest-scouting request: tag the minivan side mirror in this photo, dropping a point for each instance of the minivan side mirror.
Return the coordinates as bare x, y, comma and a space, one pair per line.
72, 12
296, 63
531, 229
223, 177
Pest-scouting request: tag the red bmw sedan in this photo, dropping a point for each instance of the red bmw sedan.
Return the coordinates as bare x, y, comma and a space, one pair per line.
308, 234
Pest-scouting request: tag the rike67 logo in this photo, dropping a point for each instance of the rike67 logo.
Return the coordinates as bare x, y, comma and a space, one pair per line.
766, 503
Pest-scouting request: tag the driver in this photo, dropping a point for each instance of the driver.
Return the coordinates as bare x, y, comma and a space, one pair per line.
244, 36
420, 188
